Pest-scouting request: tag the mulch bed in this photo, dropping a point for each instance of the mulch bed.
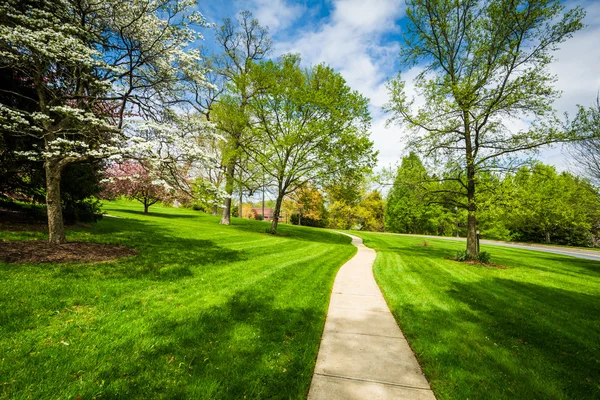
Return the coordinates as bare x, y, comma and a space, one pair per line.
35, 251
473, 262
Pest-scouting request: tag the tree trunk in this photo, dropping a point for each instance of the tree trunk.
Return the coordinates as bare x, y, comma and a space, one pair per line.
214, 210
241, 206
146, 206
472, 213
56, 227
548, 236
229, 181
276, 213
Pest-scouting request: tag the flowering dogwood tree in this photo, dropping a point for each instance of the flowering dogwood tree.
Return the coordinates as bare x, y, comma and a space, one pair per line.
136, 182
183, 149
90, 66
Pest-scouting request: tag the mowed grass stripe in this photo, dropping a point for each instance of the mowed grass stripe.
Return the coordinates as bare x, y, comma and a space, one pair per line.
197, 314
531, 331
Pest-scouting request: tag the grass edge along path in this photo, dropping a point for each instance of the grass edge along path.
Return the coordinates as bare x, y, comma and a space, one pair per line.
204, 311
531, 331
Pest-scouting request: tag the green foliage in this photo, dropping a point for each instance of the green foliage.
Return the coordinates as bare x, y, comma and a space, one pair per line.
413, 205
484, 257
534, 204
370, 213
79, 184
529, 331
545, 206
463, 255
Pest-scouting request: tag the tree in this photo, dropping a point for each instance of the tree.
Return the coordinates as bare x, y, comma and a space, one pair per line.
371, 212
89, 65
308, 205
484, 64
547, 206
309, 124
136, 182
407, 210
243, 42
586, 152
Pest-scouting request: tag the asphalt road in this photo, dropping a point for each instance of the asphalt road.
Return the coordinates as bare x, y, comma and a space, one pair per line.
585, 254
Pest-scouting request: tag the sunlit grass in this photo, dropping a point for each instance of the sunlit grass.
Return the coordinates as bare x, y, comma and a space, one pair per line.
204, 311
531, 331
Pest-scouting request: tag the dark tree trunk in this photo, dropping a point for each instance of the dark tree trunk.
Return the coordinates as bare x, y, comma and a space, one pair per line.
471, 149
215, 210
146, 206
548, 236
56, 227
276, 213
229, 181
472, 213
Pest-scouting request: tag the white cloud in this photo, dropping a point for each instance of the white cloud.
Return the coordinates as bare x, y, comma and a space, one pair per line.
276, 14
578, 75
577, 63
352, 41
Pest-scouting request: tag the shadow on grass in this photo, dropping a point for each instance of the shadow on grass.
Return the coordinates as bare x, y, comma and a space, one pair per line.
502, 334
268, 351
163, 256
551, 330
155, 214
286, 231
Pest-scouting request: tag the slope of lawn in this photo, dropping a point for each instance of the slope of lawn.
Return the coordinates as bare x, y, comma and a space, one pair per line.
203, 312
531, 331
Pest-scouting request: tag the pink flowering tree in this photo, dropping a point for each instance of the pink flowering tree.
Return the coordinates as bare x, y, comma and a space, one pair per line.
138, 182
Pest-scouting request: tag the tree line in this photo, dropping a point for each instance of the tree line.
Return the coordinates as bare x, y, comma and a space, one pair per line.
534, 203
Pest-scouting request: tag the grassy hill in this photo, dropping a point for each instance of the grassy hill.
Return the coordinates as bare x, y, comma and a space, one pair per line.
204, 311
530, 331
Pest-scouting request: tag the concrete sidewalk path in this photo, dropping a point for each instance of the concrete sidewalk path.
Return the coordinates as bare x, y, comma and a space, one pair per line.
363, 353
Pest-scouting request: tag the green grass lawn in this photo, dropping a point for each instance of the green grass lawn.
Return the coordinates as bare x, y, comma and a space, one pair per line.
531, 331
204, 311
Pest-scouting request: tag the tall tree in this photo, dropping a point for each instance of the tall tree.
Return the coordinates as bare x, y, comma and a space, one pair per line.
586, 152
310, 125
407, 210
484, 63
243, 42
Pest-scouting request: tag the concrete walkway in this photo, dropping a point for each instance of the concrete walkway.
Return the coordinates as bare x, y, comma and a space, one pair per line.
363, 353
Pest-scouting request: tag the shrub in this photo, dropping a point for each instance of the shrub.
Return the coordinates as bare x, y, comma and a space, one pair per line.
484, 257
86, 210
463, 256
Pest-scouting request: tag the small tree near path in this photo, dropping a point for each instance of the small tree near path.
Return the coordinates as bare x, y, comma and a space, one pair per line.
484, 64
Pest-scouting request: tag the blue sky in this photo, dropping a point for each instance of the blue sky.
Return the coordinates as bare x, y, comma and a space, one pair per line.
361, 40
